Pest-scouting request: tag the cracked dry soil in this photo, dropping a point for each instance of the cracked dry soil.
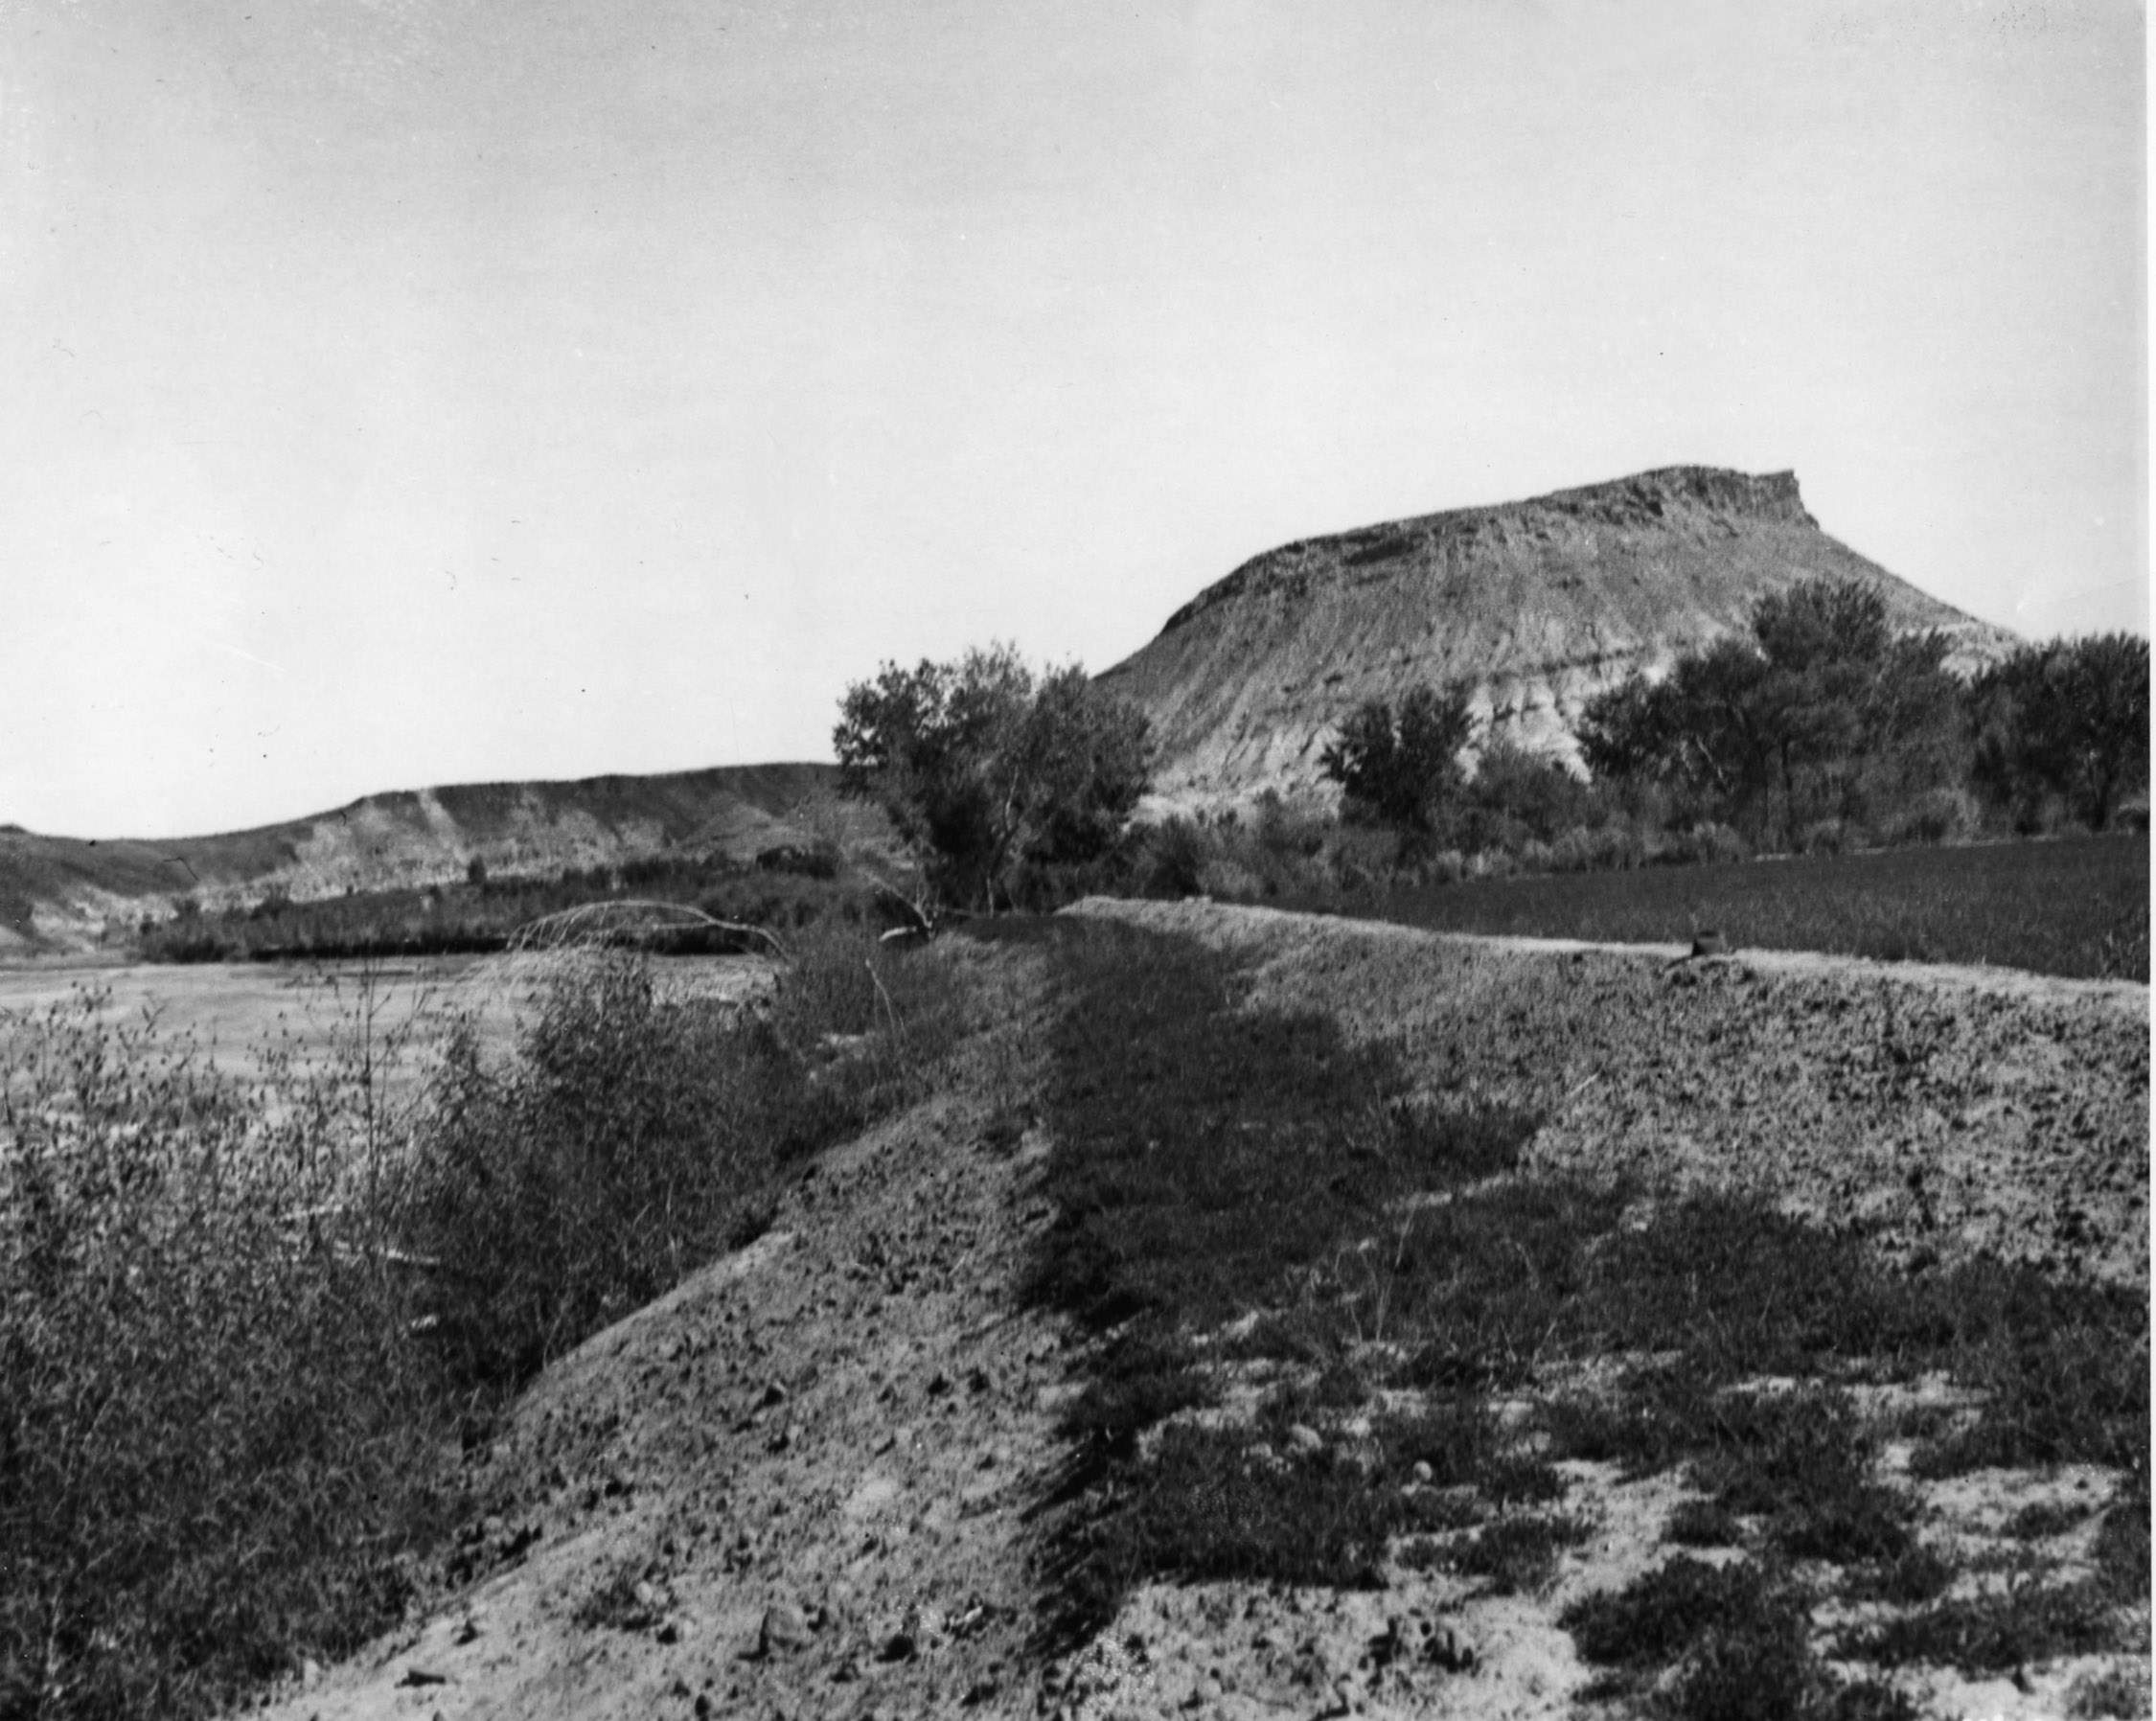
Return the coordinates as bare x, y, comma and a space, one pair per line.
812, 1479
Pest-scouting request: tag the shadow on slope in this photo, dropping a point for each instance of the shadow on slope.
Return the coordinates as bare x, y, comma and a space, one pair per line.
1308, 1285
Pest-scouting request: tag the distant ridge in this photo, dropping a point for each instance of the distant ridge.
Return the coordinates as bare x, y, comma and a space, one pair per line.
1541, 604
64, 889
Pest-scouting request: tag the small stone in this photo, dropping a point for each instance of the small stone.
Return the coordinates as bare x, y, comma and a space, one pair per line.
1305, 1439
785, 1627
924, 1625
1422, 1472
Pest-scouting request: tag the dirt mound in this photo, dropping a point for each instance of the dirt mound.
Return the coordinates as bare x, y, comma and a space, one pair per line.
1541, 604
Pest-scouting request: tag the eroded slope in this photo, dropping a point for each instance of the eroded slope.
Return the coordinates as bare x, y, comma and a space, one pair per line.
1540, 604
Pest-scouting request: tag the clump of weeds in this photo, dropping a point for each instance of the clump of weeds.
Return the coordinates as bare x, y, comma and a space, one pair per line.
1703, 1524
1515, 1553
2028, 1621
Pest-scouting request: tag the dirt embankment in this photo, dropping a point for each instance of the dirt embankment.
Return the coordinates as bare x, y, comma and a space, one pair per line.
1939, 1109
809, 1482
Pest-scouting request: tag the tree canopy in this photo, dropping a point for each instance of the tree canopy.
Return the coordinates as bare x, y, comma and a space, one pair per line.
1401, 765
1818, 712
2068, 718
982, 765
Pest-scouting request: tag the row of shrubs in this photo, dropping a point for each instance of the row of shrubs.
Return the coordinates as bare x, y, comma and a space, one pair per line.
1277, 849
241, 1323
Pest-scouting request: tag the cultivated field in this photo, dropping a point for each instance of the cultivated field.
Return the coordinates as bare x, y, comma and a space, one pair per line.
2076, 906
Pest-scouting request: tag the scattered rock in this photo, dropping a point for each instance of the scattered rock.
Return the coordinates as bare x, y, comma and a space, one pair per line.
785, 1628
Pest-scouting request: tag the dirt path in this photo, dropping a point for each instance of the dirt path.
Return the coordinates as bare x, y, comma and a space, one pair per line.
806, 1483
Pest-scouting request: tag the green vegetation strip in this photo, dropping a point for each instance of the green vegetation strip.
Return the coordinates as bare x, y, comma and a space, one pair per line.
2074, 906
1239, 1186
798, 888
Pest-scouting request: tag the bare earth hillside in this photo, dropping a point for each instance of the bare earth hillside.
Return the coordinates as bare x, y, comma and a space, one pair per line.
816, 1480
61, 891
1541, 604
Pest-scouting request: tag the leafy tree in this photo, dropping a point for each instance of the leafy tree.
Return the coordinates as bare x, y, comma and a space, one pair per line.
982, 765
1820, 712
1402, 767
1854, 714
1519, 794
1699, 729
2067, 717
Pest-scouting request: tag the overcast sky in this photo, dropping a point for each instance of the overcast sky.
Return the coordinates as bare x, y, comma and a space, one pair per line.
397, 392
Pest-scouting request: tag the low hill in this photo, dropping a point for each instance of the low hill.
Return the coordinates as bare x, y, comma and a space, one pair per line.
65, 890
1541, 604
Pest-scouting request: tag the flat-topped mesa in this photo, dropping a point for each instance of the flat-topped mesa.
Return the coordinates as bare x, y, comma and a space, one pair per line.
1540, 604
1650, 501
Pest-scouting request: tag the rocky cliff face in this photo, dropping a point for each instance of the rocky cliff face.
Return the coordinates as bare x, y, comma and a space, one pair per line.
1541, 604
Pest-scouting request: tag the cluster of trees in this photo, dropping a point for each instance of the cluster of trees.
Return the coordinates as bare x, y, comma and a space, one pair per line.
1820, 724
1821, 713
2064, 723
996, 777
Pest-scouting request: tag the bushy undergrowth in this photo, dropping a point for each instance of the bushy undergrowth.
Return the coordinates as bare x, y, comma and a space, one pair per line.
240, 1323
1995, 1632
632, 1139
215, 1437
